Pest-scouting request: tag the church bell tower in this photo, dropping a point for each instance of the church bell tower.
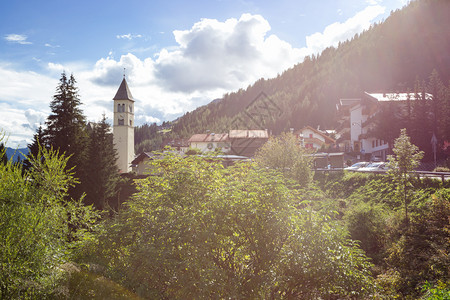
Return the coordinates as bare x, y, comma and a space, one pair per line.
123, 127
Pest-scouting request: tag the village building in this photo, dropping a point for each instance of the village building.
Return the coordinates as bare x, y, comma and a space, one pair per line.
246, 142
207, 142
123, 127
314, 139
180, 145
356, 116
140, 163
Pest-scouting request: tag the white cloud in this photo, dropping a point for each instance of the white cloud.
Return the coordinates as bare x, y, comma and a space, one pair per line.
17, 38
15, 126
337, 32
225, 55
210, 59
55, 67
128, 36
51, 46
35, 118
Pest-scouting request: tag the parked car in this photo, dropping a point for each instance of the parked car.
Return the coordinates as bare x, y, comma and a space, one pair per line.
357, 165
376, 166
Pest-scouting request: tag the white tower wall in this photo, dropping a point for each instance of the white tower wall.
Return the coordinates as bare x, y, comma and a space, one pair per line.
123, 127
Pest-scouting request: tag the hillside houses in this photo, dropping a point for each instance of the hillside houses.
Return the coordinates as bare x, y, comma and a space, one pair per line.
207, 142
353, 139
314, 139
357, 122
235, 142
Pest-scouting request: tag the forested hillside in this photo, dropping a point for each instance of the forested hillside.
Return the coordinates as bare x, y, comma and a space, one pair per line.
390, 56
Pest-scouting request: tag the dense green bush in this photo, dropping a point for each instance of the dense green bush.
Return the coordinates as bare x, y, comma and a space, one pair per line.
39, 226
197, 230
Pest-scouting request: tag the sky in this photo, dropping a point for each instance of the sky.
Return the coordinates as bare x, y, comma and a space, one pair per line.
176, 55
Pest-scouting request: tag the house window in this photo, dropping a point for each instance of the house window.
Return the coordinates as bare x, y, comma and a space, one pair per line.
310, 135
131, 108
121, 122
373, 144
131, 123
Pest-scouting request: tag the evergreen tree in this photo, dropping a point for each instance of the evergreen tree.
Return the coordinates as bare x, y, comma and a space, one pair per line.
406, 158
33, 148
421, 120
436, 88
388, 122
66, 127
446, 113
101, 168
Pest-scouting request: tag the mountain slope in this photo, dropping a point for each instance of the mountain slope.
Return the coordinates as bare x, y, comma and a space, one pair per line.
16, 154
387, 57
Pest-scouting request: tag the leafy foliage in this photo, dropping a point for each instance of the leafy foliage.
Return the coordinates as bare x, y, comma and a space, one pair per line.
423, 252
197, 230
407, 157
404, 258
36, 225
285, 154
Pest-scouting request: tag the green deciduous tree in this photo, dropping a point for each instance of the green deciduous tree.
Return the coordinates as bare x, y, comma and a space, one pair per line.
284, 153
406, 158
423, 252
34, 225
197, 230
4, 157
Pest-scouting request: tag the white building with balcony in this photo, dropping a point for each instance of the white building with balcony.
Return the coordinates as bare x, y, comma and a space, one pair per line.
360, 111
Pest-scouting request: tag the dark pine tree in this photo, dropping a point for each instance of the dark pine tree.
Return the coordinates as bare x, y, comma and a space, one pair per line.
33, 148
66, 128
437, 90
101, 169
422, 120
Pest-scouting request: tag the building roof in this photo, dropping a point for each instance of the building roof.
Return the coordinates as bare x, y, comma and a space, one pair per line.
348, 102
141, 157
326, 137
385, 97
123, 93
209, 137
251, 134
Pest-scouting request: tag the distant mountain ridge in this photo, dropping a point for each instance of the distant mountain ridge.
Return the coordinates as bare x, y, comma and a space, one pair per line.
16, 153
390, 56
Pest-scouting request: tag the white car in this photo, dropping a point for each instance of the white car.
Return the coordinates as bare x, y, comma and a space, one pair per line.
357, 165
376, 166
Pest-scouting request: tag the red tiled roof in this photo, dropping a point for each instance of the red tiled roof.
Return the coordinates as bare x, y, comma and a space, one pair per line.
209, 137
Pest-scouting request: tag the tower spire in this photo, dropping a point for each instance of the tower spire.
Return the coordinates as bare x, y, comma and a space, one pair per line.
123, 128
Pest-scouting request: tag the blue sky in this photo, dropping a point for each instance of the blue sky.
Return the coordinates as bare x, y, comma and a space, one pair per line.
178, 55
